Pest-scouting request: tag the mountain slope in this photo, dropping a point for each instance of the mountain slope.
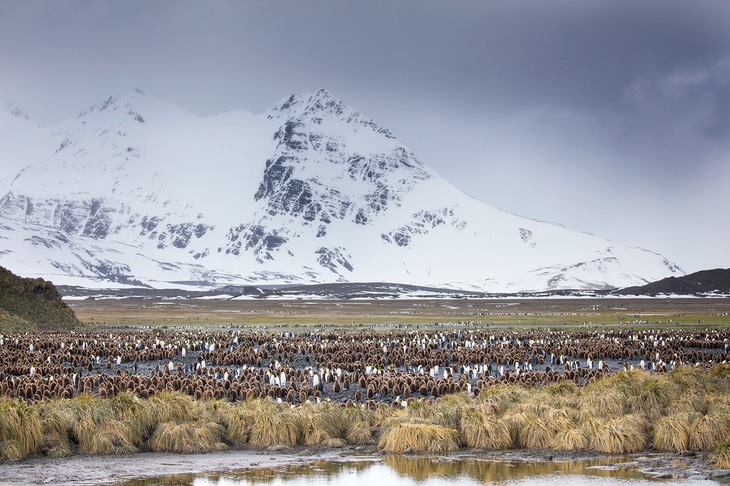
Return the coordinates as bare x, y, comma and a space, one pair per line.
32, 304
137, 191
715, 281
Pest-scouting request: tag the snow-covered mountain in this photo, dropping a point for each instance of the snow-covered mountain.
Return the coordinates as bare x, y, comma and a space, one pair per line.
137, 191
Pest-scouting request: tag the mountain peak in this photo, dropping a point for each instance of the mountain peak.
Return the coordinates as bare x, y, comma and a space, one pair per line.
301, 105
322, 104
138, 105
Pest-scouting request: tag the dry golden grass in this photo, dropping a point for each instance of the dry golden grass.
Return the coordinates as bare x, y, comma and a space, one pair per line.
187, 438
689, 402
173, 406
722, 455
328, 423
563, 388
708, 432
682, 410
446, 411
359, 433
499, 399
569, 438
419, 438
598, 399
21, 430
99, 426
56, 423
530, 430
274, 425
110, 437
672, 432
239, 418
485, 431
622, 435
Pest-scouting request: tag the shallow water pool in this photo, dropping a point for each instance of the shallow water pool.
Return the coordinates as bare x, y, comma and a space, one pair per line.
422, 471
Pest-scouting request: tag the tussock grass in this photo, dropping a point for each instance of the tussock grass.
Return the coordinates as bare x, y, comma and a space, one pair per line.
672, 432
100, 426
323, 423
56, 421
709, 431
644, 394
622, 435
687, 409
187, 437
21, 430
274, 425
263, 423
689, 402
569, 438
599, 400
485, 431
722, 455
110, 437
719, 377
173, 406
239, 419
359, 433
499, 399
419, 437
529, 430
446, 411
327, 424
562, 389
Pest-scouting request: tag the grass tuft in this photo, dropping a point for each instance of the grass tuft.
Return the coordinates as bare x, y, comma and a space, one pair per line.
21, 430
672, 432
722, 455
419, 437
485, 431
623, 435
187, 438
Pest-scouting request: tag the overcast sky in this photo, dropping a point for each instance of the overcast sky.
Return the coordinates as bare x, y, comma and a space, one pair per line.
611, 117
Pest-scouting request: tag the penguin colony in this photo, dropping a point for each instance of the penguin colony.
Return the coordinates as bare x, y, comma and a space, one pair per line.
348, 368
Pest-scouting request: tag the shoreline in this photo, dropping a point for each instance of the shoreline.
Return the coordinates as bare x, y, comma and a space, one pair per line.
83, 469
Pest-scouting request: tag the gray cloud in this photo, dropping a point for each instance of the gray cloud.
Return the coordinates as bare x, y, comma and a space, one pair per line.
611, 117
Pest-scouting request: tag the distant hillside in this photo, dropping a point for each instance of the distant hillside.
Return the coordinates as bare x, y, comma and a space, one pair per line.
703, 282
27, 303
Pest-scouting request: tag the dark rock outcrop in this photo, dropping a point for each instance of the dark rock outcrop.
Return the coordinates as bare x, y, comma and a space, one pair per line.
715, 281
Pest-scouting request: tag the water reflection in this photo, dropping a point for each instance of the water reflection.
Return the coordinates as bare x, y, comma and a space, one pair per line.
421, 471
484, 471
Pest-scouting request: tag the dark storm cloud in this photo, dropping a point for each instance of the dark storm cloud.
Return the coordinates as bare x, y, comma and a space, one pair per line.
539, 107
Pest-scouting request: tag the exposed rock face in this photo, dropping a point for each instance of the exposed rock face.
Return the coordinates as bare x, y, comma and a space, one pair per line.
32, 304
